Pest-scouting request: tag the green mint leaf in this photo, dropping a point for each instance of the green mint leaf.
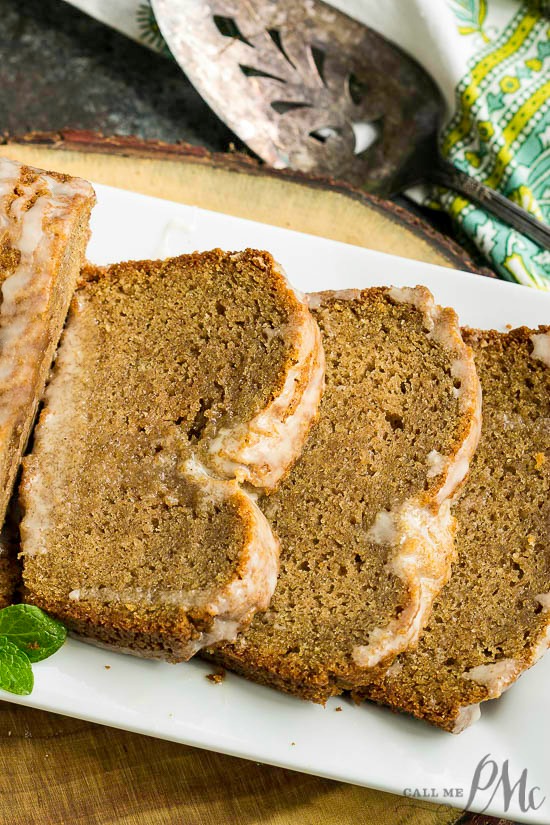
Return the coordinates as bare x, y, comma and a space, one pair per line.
15, 669
31, 630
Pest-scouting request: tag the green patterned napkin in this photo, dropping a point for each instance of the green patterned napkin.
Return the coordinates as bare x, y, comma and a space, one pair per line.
491, 59
500, 133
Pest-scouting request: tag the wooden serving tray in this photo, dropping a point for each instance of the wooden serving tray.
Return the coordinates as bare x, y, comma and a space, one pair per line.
238, 185
55, 770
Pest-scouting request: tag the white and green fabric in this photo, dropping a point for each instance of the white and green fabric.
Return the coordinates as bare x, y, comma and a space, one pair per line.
500, 133
491, 58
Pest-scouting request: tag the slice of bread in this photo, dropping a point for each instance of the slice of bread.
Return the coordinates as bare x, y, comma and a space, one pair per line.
363, 517
492, 620
170, 375
43, 235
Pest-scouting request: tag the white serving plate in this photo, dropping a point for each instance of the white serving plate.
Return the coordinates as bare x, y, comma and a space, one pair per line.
364, 745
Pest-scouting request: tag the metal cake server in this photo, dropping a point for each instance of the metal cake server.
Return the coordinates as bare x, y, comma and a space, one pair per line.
307, 87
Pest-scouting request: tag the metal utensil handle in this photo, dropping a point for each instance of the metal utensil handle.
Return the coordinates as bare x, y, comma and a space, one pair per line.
445, 174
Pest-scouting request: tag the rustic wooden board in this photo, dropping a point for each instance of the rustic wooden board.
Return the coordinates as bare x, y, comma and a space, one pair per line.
55, 770
237, 185
58, 771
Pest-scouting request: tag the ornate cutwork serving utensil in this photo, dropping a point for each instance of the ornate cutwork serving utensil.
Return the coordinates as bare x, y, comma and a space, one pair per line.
307, 87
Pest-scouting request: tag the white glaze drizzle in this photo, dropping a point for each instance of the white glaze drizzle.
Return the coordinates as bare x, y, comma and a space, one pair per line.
260, 451
541, 347
423, 540
495, 676
26, 291
423, 548
465, 717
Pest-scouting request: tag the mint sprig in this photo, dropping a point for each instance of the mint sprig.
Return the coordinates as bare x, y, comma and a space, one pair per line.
27, 635
15, 669
34, 632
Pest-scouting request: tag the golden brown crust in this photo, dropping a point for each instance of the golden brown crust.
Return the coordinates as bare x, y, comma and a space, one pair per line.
267, 671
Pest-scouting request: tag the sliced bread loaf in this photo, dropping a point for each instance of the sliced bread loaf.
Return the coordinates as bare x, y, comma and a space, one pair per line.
43, 235
170, 375
363, 517
492, 620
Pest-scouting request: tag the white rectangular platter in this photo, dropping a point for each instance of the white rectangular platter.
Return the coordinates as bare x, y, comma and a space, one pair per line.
364, 745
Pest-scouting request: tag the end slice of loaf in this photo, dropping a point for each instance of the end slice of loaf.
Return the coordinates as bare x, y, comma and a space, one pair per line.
43, 235
492, 620
172, 376
363, 517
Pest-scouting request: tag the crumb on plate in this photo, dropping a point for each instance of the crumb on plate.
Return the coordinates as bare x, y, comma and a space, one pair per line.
216, 677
